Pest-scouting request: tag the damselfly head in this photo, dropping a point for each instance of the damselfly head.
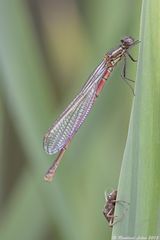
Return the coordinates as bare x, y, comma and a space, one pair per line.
127, 41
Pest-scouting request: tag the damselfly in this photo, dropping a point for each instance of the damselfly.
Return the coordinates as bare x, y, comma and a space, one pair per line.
59, 136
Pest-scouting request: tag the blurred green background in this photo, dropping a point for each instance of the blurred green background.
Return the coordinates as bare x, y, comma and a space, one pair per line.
47, 51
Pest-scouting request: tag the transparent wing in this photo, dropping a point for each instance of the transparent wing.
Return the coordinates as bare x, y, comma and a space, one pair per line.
71, 119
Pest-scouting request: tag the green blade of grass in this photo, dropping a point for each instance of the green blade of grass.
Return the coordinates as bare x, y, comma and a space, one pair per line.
139, 178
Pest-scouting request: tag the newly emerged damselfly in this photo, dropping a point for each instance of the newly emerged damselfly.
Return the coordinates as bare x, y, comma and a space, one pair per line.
59, 136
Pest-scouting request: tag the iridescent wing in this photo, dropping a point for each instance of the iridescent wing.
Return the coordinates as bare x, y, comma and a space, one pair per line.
71, 119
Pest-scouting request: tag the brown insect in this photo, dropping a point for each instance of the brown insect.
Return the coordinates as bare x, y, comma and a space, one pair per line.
109, 207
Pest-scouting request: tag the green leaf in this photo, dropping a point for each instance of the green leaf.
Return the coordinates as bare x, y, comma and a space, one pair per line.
140, 172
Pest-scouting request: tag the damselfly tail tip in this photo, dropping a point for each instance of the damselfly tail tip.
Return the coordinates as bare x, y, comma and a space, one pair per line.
48, 177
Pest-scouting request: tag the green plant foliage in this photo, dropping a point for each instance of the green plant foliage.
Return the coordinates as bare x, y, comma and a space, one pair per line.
139, 178
47, 51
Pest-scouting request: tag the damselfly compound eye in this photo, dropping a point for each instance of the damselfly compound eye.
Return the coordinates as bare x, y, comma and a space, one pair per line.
127, 41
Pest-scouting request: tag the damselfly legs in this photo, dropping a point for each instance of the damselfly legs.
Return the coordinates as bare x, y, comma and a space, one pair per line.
123, 73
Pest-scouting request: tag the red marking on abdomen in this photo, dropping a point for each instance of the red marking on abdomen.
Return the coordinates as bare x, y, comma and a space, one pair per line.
102, 82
